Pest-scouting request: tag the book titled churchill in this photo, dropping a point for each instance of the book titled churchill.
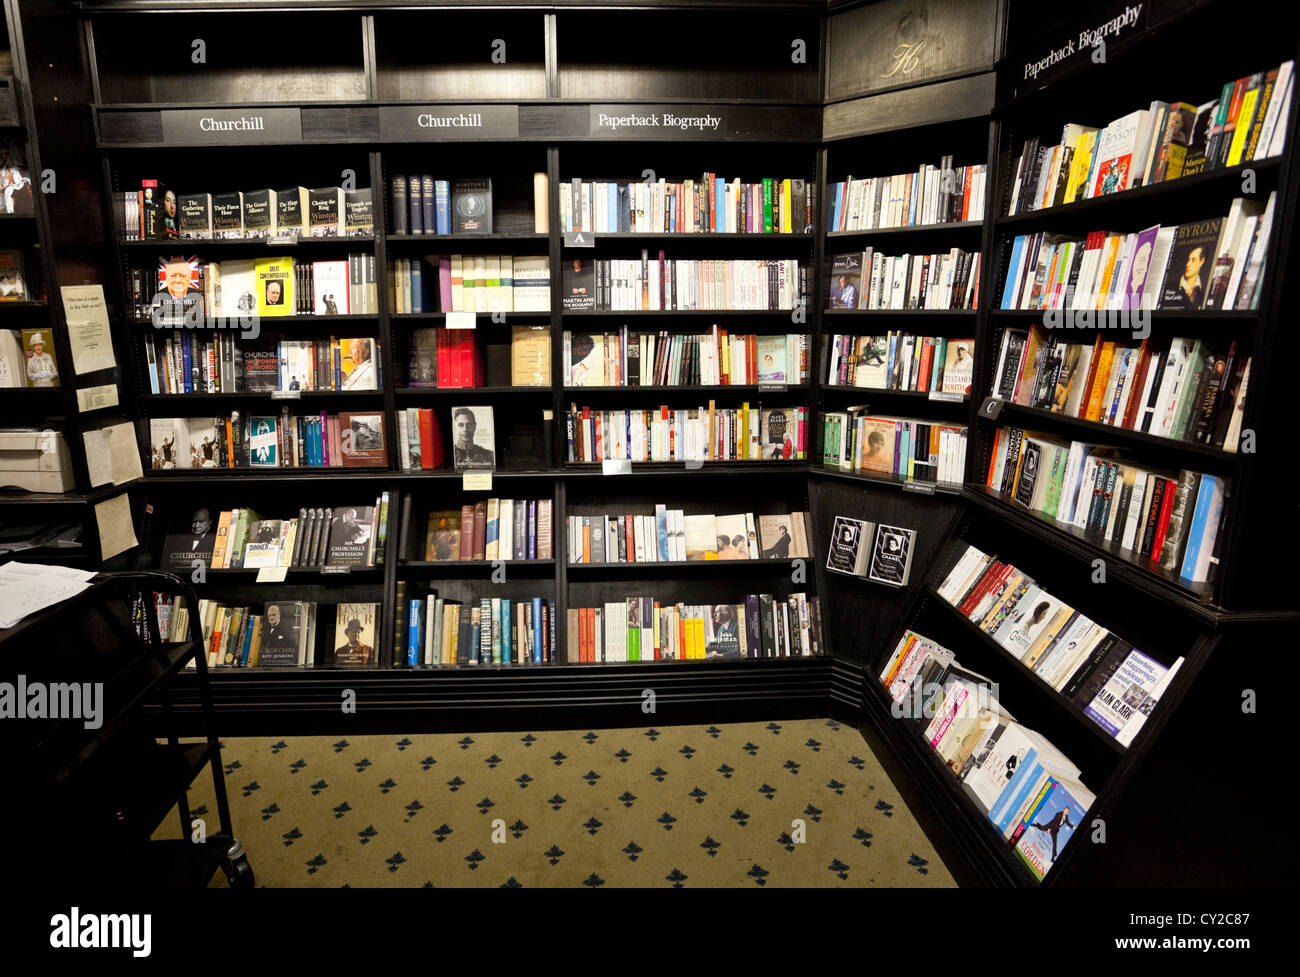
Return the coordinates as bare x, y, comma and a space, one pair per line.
349, 539
362, 439
471, 206
190, 540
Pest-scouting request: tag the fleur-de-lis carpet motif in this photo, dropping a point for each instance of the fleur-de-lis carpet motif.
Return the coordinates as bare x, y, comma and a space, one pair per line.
707, 807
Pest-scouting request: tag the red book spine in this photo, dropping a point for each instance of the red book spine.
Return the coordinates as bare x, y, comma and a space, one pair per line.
427, 459
1162, 521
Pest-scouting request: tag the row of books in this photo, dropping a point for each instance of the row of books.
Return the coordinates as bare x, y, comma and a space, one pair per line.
219, 362
423, 205
1115, 684
342, 536
714, 358
440, 357
691, 434
473, 443
156, 212
491, 529
901, 448
930, 195
1171, 521
873, 280
711, 204
639, 629
276, 633
935, 365
1182, 389
489, 631
183, 290
671, 535
668, 285
1210, 264
874, 551
1029, 790
471, 283
349, 440
1164, 141
27, 358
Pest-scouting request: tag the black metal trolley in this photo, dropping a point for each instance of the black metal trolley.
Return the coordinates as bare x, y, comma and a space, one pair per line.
91, 758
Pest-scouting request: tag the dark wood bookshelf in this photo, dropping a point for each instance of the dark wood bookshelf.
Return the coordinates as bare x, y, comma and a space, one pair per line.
350, 103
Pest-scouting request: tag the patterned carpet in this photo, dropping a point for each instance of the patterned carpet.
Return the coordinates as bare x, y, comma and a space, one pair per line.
801, 803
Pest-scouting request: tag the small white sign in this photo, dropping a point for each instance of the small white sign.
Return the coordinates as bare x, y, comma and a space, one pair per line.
271, 574
616, 466
461, 320
476, 482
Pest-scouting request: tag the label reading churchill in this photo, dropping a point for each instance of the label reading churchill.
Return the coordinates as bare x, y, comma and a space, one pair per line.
231, 127
432, 123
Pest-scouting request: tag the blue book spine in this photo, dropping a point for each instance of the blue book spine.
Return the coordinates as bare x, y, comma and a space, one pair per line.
720, 208
442, 195
417, 286
153, 369
893, 358
336, 357
900, 458
537, 630
624, 210
507, 640
430, 205
247, 643
1017, 255
413, 632
998, 809
186, 383
835, 208
415, 195
1205, 492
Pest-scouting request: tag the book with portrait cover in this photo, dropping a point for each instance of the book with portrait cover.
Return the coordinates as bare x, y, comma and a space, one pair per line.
471, 206
721, 631
846, 281
38, 358
1191, 262
191, 538
354, 634
282, 632
442, 539
350, 534
473, 438
274, 286
361, 436
850, 547
891, 556
579, 285
958, 366
13, 276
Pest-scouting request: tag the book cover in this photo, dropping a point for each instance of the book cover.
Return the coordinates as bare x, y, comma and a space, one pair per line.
349, 541
357, 365
891, 556
358, 213
1050, 827
282, 632
361, 439
354, 634
325, 212
274, 277
530, 356
442, 539
958, 366
850, 546
15, 179
471, 206
191, 540
473, 438
733, 538
228, 215
194, 215
846, 281
38, 358
260, 212
772, 366
330, 288
579, 285
721, 631
13, 276
701, 537
1191, 261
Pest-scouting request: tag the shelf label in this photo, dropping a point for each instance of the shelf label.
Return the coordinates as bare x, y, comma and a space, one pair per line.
616, 466
271, 574
579, 239
231, 127
461, 320
436, 123
949, 397
1083, 43
286, 395
991, 408
773, 388
658, 121
335, 571
277, 239
920, 488
476, 482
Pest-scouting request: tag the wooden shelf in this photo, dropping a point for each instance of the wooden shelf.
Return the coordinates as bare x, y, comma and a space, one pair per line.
889, 481
911, 229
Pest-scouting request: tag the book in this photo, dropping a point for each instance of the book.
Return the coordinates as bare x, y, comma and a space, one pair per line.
362, 440
350, 541
274, 278
473, 438
471, 206
1191, 262
325, 212
891, 556
530, 356
190, 541
15, 179
38, 358
851, 545
283, 632
354, 634
13, 276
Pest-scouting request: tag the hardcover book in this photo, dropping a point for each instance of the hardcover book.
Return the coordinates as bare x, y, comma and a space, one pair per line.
329, 283
349, 536
13, 276
282, 632
292, 207
325, 212
473, 438
191, 540
15, 179
38, 358
1191, 261
361, 437
471, 206
354, 634
194, 214
274, 278
958, 366
260, 212
850, 546
442, 540
846, 281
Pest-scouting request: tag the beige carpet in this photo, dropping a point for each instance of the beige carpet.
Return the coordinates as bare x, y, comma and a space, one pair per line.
799, 803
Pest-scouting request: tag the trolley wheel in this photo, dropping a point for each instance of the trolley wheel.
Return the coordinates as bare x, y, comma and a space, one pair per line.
238, 872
